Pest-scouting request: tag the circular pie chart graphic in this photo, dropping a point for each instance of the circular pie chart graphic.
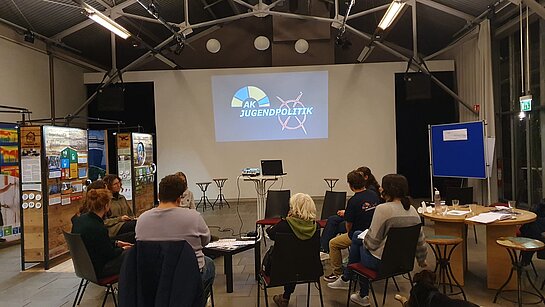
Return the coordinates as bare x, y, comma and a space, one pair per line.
250, 94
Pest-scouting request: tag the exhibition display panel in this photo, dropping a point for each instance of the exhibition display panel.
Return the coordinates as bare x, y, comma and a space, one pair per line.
54, 166
136, 167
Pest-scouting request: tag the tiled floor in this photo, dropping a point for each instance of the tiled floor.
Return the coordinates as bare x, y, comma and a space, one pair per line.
57, 286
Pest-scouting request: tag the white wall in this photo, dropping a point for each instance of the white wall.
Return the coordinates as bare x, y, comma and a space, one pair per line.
24, 79
361, 129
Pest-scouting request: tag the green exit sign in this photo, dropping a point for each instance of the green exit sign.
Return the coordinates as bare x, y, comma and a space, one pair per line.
525, 103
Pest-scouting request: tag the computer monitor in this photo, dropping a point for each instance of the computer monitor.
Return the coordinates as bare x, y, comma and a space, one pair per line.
464, 195
272, 168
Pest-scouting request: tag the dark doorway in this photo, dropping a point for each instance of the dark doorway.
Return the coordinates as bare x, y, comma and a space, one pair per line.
132, 103
413, 115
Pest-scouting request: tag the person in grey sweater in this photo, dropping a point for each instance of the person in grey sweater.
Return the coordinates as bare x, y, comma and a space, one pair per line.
170, 222
396, 212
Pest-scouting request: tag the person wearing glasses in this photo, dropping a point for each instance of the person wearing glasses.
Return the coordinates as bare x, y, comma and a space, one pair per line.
120, 219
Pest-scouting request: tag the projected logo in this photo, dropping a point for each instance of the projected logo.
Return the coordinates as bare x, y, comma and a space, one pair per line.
291, 113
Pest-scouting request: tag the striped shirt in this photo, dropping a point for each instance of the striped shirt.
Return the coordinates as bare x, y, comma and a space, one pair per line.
390, 215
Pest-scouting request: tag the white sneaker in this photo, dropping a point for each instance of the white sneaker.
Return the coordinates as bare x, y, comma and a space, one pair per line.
324, 256
362, 301
339, 284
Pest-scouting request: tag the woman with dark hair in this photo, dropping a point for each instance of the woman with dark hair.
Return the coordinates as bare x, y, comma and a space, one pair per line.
120, 219
358, 215
105, 253
188, 201
396, 212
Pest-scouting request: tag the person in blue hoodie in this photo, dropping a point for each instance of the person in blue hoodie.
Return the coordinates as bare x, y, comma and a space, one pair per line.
301, 221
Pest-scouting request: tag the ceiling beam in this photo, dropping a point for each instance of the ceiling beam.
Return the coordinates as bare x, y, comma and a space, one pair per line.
369, 11
536, 7
446, 9
415, 31
143, 18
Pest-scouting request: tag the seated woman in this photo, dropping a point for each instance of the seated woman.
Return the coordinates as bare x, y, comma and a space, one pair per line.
301, 221
120, 220
98, 184
396, 212
188, 201
106, 254
336, 224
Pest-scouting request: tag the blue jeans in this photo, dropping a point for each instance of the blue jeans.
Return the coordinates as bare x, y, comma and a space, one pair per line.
207, 275
358, 253
334, 225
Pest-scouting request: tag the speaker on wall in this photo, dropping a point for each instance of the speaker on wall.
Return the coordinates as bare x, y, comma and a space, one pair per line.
417, 86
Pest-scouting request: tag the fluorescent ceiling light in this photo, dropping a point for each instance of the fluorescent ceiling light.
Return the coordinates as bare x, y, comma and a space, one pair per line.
393, 10
105, 21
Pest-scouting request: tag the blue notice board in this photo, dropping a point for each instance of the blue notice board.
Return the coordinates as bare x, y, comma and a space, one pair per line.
458, 150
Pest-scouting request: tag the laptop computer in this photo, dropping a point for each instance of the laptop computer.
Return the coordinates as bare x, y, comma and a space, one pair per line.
272, 168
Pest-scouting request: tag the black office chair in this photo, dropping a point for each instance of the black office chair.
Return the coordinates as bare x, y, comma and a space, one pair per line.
84, 269
276, 207
294, 261
465, 196
333, 202
397, 259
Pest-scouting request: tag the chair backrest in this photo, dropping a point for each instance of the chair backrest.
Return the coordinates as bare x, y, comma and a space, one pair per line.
80, 257
278, 203
399, 251
160, 273
333, 202
464, 195
295, 260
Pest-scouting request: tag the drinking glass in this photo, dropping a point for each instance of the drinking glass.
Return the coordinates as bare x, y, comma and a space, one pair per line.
512, 204
456, 204
473, 209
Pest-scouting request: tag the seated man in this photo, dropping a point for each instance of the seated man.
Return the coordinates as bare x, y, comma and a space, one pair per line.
358, 216
170, 222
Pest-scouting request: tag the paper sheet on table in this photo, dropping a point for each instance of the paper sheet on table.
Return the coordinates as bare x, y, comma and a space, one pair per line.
457, 212
229, 244
489, 217
362, 235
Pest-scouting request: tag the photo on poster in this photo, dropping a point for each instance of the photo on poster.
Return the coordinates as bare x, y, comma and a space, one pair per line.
9, 135
54, 188
66, 188
77, 186
54, 162
10, 170
9, 154
97, 154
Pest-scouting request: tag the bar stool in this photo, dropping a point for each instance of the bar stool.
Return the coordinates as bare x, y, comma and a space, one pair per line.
442, 247
204, 199
220, 200
331, 182
514, 244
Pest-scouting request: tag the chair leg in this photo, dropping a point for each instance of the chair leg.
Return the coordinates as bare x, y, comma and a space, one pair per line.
385, 291
77, 293
475, 233
349, 287
373, 293
395, 283
113, 295
321, 297
212, 294
266, 296
106, 296
83, 291
308, 294
258, 290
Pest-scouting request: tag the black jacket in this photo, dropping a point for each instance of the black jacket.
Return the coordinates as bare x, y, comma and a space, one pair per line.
95, 237
160, 274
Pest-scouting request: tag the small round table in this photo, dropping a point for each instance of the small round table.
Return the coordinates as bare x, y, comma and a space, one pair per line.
220, 200
331, 182
520, 244
442, 247
204, 199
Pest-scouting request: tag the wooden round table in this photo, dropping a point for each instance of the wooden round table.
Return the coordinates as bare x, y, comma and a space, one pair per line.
497, 260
